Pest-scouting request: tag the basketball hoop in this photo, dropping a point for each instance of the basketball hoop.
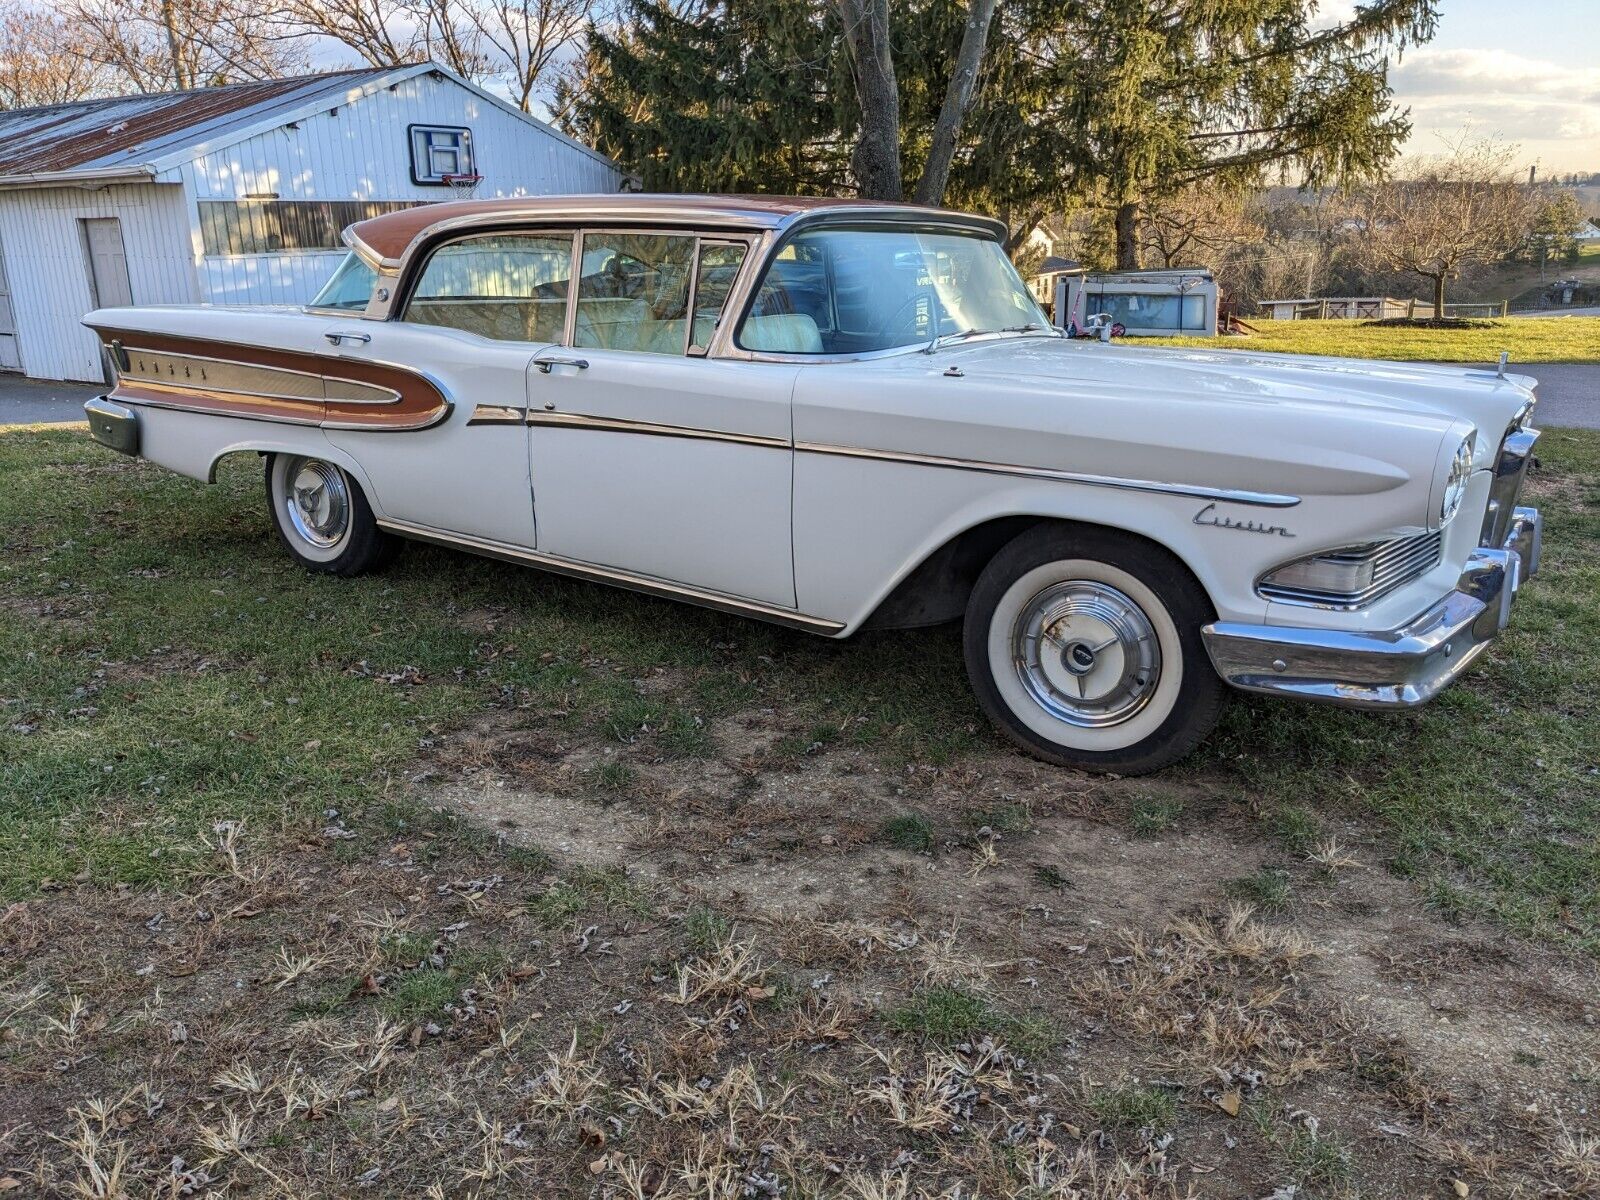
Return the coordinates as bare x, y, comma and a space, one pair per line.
462, 187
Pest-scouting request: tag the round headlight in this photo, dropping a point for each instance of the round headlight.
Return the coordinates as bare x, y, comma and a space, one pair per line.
1455, 486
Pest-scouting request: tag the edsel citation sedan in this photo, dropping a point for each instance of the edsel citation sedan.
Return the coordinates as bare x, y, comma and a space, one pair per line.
841, 416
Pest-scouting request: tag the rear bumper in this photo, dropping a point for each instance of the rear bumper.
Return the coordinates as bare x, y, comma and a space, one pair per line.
1397, 668
113, 425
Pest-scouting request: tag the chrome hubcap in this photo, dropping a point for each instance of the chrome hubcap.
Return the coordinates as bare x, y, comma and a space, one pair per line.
1086, 653
318, 501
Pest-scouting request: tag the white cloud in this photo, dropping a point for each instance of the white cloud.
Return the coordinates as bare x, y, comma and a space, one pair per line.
1551, 110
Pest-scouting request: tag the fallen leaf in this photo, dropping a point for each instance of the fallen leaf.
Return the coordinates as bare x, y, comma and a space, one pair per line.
1461, 1189
598, 1166
592, 1134
1228, 1102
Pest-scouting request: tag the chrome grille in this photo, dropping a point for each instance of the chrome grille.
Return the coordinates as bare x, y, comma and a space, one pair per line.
1394, 564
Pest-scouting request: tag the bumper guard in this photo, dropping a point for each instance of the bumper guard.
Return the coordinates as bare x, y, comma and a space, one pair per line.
1396, 668
113, 425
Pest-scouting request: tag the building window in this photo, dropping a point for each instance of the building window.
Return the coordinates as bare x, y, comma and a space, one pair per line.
439, 151
271, 226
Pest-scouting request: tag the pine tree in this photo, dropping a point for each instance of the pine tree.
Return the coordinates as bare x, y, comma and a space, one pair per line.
745, 96
1105, 100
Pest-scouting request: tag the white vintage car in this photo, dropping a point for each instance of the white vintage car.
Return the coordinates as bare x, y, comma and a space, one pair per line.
842, 416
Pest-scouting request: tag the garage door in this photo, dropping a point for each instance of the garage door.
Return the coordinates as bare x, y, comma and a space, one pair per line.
10, 358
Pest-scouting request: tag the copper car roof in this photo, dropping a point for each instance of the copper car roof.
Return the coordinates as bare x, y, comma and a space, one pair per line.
385, 240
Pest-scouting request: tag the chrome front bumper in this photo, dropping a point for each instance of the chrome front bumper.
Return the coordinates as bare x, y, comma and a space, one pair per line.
1397, 668
113, 425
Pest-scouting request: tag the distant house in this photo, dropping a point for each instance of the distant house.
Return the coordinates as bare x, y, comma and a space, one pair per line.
238, 195
1589, 231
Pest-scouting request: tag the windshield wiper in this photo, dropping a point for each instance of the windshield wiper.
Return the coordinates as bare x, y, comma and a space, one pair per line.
944, 339
961, 335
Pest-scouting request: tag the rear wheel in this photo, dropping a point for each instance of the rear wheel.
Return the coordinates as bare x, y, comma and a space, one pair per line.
323, 518
1084, 648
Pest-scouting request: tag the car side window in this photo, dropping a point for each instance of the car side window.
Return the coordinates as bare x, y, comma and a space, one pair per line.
715, 272
634, 292
511, 287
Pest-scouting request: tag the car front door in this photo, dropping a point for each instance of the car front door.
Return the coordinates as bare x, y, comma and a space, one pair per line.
647, 457
482, 308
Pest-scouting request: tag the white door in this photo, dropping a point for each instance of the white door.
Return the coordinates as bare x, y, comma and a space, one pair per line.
652, 461
482, 308
107, 261
10, 356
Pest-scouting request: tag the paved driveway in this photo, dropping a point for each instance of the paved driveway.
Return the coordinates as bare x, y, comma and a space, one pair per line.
1569, 395
27, 401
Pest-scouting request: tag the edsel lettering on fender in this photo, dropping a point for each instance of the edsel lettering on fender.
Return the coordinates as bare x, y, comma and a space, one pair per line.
1209, 516
840, 416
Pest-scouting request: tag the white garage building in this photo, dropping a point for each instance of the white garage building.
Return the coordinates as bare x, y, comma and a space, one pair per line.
237, 195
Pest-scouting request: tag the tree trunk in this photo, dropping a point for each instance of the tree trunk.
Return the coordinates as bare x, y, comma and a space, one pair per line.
169, 21
957, 99
1438, 297
1128, 236
876, 159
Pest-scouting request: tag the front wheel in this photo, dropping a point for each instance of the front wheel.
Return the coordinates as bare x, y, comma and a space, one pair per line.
1084, 648
322, 517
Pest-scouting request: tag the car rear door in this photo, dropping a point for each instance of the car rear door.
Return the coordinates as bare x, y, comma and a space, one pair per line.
482, 308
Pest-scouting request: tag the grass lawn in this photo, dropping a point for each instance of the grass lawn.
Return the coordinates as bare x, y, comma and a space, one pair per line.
467, 878
1529, 339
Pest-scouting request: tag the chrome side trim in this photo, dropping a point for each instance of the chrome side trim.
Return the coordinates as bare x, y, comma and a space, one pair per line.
626, 579
622, 425
496, 414
233, 378
1234, 496
271, 419
282, 419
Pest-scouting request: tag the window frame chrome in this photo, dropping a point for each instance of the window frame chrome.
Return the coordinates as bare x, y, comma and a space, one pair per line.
774, 242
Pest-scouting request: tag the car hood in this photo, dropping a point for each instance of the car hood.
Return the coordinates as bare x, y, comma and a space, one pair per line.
1484, 397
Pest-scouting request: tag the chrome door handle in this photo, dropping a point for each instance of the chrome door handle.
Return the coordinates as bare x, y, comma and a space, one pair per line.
545, 362
339, 337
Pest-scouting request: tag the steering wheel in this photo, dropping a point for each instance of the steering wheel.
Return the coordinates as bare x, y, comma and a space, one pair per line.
890, 329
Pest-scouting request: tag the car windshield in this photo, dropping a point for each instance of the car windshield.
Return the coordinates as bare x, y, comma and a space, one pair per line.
853, 291
350, 288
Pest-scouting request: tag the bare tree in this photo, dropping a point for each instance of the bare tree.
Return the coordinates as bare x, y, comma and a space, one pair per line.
521, 43
1199, 226
373, 29
39, 64
527, 39
175, 45
1439, 216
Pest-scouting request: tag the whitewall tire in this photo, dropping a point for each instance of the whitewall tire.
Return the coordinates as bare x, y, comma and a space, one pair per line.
1084, 648
323, 518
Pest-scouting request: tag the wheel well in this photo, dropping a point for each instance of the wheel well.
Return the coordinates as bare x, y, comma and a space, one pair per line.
211, 475
937, 588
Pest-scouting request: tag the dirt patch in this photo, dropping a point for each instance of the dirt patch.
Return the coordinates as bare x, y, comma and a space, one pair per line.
588, 968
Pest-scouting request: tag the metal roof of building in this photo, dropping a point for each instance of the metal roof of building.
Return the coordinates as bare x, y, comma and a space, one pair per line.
128, 135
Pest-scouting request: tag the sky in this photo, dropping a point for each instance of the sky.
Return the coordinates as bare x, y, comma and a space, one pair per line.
1522, 71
